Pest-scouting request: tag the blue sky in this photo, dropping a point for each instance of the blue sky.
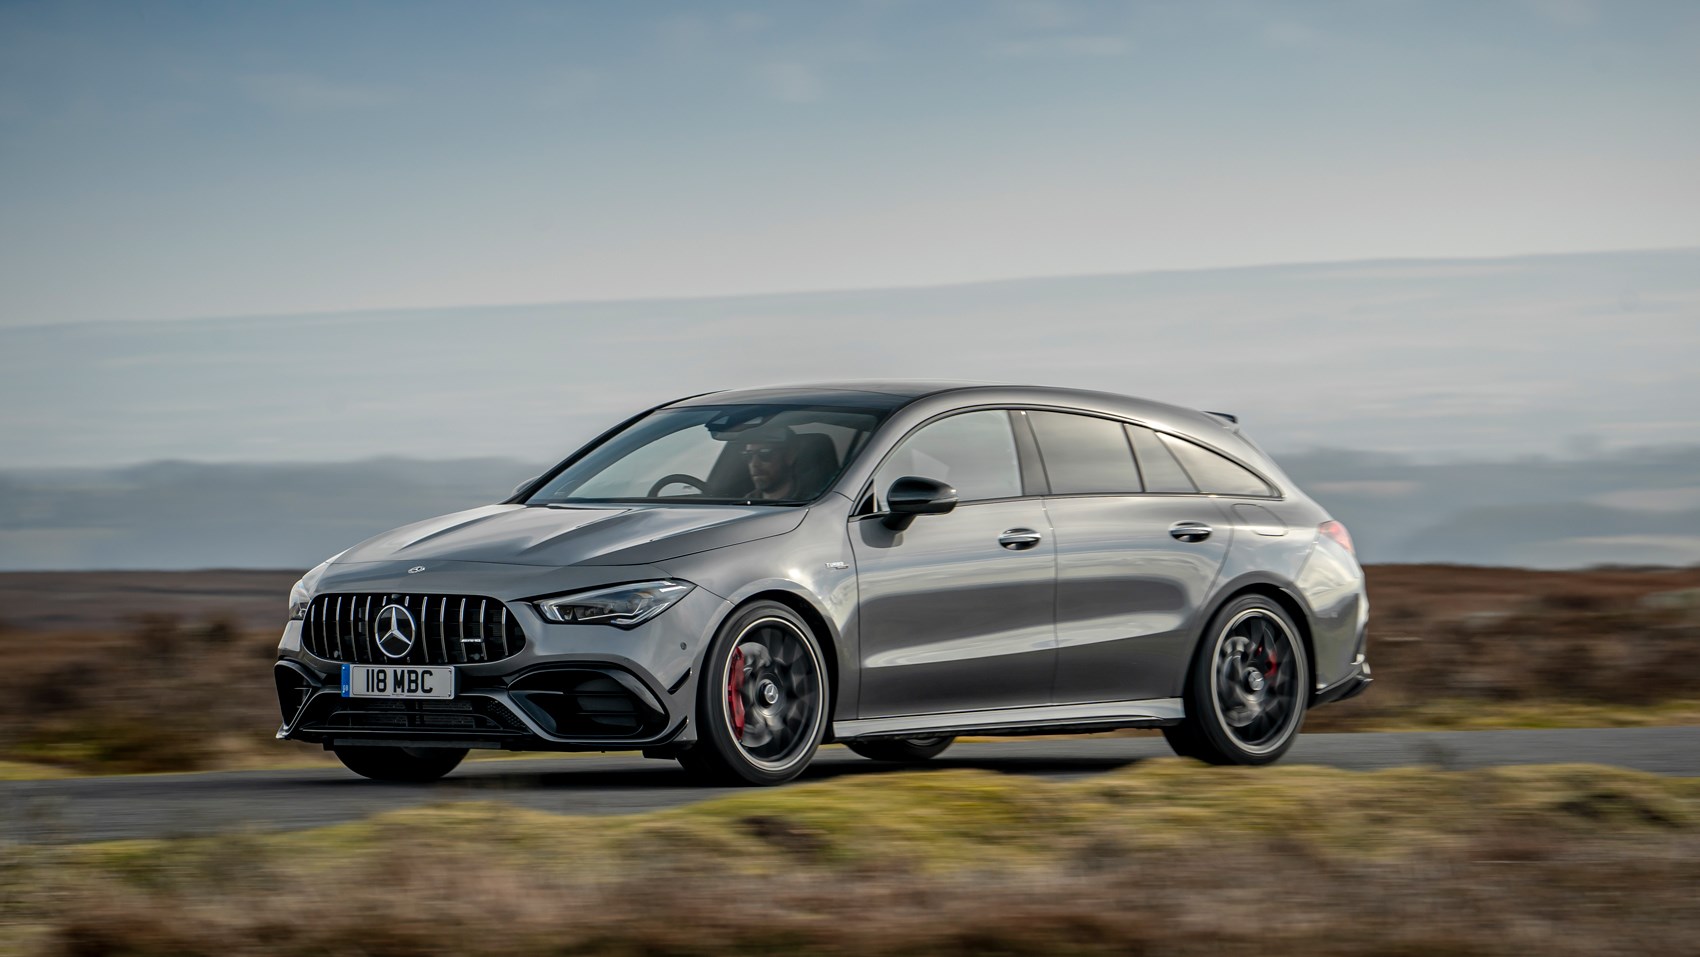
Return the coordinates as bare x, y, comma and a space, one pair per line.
174, 160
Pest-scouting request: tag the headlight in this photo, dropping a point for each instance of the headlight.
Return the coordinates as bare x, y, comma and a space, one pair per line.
301, 593
623, 606
299, 599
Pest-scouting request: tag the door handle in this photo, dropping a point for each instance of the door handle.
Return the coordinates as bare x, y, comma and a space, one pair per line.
1190, 531
1018, 538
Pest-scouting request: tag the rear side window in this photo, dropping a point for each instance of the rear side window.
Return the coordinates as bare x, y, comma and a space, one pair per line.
1214, 473
973, 452
1162, 473
1085, 455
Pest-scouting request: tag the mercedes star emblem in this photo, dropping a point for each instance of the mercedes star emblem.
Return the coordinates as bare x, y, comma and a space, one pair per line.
395, 628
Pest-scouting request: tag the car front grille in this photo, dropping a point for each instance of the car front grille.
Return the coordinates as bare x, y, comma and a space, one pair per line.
445, 629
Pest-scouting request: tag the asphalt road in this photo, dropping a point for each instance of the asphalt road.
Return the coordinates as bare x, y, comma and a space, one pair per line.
86, 809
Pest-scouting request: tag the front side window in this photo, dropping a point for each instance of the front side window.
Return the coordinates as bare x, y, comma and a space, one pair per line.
973, 452
755, 454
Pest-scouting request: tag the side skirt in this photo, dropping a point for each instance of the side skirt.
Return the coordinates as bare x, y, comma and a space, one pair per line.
1040, 719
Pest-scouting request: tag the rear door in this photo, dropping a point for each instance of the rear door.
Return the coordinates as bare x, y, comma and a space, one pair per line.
1137, 552
956, 610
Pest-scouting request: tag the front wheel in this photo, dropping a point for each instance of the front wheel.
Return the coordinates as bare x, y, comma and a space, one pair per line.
902, 750
762, 702
405, 765
1245, 698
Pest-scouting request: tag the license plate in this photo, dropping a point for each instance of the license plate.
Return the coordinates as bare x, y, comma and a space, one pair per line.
395, 681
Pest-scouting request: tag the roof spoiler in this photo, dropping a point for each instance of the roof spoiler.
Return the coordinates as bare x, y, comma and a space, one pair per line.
1224, 415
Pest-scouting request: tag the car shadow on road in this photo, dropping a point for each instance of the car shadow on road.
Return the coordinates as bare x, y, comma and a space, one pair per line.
665, 775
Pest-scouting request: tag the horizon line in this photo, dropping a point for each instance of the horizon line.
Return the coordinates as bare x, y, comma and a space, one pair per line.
854, 290
1423, 458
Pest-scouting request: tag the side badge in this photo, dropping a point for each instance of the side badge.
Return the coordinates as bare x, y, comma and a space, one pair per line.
839, 565
416, 569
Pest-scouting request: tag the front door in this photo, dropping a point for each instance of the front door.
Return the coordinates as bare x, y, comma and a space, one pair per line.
956, 611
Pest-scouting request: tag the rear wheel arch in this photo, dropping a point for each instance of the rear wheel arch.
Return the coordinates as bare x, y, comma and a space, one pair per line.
1290, 604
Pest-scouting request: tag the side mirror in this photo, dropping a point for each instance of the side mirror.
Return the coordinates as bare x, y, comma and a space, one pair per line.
912, 495
521, 486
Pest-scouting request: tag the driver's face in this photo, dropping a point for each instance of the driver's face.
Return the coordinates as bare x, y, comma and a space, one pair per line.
770, 465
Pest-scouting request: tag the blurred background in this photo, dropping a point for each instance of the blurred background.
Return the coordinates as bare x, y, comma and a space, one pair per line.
275, 277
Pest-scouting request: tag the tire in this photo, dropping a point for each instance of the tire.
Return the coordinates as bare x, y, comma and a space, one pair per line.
902, 750
405, 765
1247, 689
763, 700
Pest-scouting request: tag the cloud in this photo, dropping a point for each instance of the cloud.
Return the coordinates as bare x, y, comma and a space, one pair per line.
305, 93
1291, 34
1060, 47
565, 88
1569, 13
790, 81
1037, 14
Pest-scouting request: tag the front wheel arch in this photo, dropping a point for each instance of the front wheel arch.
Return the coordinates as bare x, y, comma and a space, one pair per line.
718, 753
824, 634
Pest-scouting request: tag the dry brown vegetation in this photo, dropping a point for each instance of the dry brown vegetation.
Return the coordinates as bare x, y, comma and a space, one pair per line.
117, 672
1167, 858
1452, 645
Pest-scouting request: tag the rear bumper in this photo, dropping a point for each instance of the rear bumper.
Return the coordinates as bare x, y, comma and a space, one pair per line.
1355, 683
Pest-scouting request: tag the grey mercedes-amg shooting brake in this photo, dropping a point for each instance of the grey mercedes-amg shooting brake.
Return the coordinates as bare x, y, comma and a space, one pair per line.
734, 578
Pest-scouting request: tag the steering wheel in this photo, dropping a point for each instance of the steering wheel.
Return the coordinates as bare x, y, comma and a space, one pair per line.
677, 478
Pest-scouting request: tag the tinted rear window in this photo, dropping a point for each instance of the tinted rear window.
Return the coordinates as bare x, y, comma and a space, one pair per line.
1215, 473
1162, 473
1085, 455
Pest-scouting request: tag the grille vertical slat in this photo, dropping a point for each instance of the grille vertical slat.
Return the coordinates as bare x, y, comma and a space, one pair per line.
366, 630
443, 626
336, 627
460, 633
483, 648
502, 631
341, 630
425, 627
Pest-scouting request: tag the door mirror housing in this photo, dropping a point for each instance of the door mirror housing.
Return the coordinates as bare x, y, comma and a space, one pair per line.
913, 495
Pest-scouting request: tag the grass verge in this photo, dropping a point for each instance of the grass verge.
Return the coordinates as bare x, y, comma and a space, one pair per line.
1168, 857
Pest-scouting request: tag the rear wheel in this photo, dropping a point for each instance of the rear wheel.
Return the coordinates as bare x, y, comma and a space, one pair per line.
410, 765
1245, 699
762, 702
902, 750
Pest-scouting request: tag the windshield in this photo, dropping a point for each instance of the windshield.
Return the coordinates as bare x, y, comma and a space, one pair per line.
726, 454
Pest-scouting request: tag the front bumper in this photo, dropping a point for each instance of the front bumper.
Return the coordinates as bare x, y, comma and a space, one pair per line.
571, 688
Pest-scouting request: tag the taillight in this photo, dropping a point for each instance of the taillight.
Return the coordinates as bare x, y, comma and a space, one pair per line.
1338, 533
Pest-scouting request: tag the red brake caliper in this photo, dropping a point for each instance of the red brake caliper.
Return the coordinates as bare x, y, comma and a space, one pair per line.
1269, 652
735, 692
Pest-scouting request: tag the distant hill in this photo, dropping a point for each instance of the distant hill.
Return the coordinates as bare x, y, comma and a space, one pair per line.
1485, 358
1498, 401
1628, 508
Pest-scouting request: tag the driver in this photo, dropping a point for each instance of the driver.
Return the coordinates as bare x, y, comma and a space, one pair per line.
772, 458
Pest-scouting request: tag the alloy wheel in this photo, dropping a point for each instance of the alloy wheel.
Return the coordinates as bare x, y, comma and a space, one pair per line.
1256, 680
772, 705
